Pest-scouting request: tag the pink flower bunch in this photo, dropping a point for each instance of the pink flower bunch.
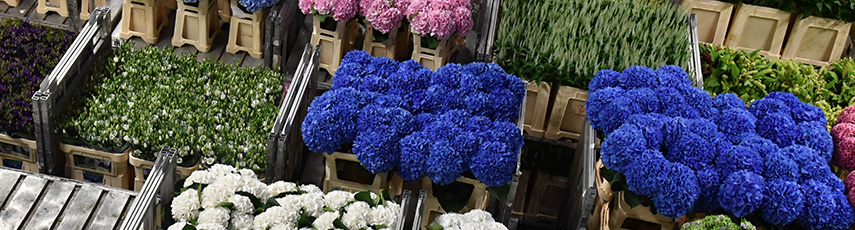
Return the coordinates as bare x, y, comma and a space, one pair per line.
843, 134
384, 15
440, 18
340, 10
850, 187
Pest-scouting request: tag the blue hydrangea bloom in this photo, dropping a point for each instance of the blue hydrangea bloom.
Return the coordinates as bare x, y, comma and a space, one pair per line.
703, 127
646, 99
331, 120
830, 179
653, 125
672, 76
415, 150
678, 194
675, 104
505, 105
811, 165
843, 217
784, 202
445, 163
616, 112
779, 128
377, 149
381, 67
767, 106
759, 144
818, 207
691, 150
740, 158
780, 166
805, 112
709, 181
741, 193
597, 101
638, 77
377, 115
625, 141
736, 121
604, 79
816, 136
494, 163
788, 98
448, 76
348, 76
728, 101
504, 132
699, 99
648, 171
358, 57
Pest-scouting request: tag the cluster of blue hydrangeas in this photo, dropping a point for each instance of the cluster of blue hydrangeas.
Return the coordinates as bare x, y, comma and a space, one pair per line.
688, 151
404, 116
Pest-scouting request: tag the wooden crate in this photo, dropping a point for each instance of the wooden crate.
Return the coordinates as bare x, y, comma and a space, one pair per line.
568, 114
435, 58
333, 180
334, 43
111, 169
143, 167
58, 6
536, 105
759, 28
432, 209
87, 6
547, 197
18, 153
622, 212
143, 18
196, 25
245, 31
817, 41
713, 19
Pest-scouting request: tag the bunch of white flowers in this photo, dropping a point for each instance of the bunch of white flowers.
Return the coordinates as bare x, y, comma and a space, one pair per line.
223, 196
475, 219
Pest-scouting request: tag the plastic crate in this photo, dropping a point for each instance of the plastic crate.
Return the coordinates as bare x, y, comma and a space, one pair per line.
547, 198
18, 153
350, 181
196, 25
111, 169
12, 3
58, 6
817, 41
713, 19
759, 28
143, 167
87, 6
334, 42
432, 209
536, 105
435, 58
623, 212
245, 31
143, 18
568, 114
398, 39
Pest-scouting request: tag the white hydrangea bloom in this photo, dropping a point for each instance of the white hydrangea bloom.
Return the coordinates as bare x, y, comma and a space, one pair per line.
186, 205
449, 220
274, 216
478, 215
355, 215
218, 215
230, 181
254, 187
277, 188
325, 221
199, 176
242, 204
384, 215
221, 170
291, 202
247, 173
312, 203
210, 226
338, 199
177, 225
242, 221
310, 188
283, 227
215, 194
495, 226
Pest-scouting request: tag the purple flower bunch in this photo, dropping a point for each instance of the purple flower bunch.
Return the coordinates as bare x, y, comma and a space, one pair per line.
404, 116
27, 55
340, 10
440, 18
384, 15
689, 151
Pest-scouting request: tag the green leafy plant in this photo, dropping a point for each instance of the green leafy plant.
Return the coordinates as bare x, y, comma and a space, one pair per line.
150, 98
720, 222
567, 42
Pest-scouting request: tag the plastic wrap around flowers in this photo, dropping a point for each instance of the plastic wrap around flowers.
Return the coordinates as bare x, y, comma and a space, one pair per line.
340, 10
688, 151
475, 219
404, 116
440, 18
223, 196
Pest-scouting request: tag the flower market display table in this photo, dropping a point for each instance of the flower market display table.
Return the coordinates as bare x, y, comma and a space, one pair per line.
35, 201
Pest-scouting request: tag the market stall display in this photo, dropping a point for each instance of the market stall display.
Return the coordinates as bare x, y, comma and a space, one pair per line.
27, 55
475, 219
385, 33
718, 222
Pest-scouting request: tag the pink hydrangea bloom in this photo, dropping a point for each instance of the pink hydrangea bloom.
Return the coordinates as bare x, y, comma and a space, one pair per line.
440, 23
463, 20
849, 181
324, 6
420, 24
844, 145
364, 6
402, 5
376, 8
415, 7
305, 6
444, 17
847, 116
344, 10
388, 20
851, 196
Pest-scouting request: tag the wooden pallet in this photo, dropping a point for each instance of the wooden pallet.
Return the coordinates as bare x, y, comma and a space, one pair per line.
34, 201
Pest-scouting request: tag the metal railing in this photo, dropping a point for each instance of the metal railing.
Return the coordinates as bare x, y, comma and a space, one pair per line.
160, 183
283, 26
489, 14
694, 67
56, 89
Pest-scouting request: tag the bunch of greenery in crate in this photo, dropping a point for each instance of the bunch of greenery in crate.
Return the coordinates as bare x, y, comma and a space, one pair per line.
567, 42
27, 55
148, 98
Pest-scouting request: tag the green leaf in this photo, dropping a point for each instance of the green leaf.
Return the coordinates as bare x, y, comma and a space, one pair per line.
280, 195
271, 203
305, 221
229, 205
189, 227
338, 224
365, 196
631, 199
434, 226
256, 203
380, 226
328, 209
500, 192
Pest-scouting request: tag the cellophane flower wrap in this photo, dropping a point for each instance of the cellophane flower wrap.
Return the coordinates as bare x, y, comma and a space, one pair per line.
27, 55
687, 151
472, 220
404, 116
440, 18
339, 10
223, 196
384, 15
